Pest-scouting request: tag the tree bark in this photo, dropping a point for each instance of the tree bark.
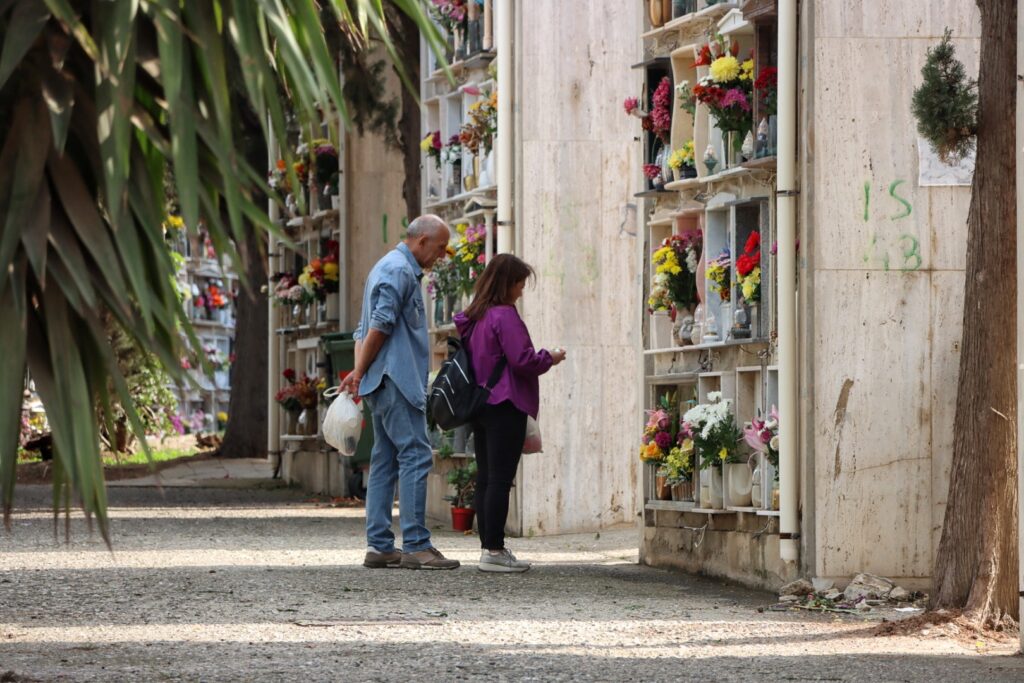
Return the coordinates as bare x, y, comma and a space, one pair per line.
976, 563
407, 44
246, 433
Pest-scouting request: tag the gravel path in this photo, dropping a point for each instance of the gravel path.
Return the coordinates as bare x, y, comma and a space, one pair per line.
263, 585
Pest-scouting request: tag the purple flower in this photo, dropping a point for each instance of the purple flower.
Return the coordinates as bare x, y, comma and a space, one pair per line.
663, 440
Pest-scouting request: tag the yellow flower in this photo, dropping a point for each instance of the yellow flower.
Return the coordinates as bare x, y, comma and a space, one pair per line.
222, 416
725, 69
461, 228
747, 70
331, 271
723, 454
449, 250
174, 223
687, 446
427, 142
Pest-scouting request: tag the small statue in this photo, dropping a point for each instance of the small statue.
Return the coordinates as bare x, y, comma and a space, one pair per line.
710, 160
747, 150
762, 138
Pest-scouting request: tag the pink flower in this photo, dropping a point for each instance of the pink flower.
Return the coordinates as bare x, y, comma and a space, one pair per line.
481, 258
652, 171
736, 96
472, 90
630, 104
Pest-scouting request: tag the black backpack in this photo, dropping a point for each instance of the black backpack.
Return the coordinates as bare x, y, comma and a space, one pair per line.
455, 397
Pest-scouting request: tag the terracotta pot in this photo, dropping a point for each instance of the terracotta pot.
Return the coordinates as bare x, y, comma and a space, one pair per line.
462, 519
662, 490
682, 491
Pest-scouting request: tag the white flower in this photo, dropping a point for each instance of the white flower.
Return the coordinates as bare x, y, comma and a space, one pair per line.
774, 443
715, 396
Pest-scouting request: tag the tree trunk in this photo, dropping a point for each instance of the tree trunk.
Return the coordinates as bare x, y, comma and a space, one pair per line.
976, 563
407, 44
246, 433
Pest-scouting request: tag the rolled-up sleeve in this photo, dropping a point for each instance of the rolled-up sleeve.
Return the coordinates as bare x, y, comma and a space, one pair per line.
515, 343
386, 301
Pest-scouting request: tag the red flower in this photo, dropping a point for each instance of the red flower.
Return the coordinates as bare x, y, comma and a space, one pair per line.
652, 171
289, 374
747, 263
753, 242
705, 58
768, 78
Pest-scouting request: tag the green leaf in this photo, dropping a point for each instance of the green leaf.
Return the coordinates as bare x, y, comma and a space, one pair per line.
12, 382
26, 23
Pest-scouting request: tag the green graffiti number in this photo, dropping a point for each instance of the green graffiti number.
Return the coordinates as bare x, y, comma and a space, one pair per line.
907, 209
910, 252
867, 199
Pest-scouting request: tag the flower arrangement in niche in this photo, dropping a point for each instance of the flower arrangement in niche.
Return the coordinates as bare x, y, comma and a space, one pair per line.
451, 14
444, 279
661, 431
766, 86
727, 89
683, 158
659, 120
674, 283
678, 464
763, 437
748, 269
469, 255
320, 276
299, 393
324, 162
431, 145
451, 154
687, 101
717, 272
478, 133
287, 291
713, 430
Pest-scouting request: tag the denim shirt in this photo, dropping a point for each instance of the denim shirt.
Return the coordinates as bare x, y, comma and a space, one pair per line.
393, 304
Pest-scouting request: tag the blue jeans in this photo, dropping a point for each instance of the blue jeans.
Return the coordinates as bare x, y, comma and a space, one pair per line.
401, 453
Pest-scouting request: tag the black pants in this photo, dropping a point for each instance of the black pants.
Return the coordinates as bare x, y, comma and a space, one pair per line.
498, 436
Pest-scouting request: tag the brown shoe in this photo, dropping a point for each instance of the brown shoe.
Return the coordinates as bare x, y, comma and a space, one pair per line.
431, 558
377, 560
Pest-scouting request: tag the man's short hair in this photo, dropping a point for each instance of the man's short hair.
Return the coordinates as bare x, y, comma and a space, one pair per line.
427, 224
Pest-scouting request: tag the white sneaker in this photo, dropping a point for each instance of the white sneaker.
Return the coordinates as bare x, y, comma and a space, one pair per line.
504, 562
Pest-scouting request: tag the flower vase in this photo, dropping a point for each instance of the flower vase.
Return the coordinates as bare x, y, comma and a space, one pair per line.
314, 199
725, 320
306, 423
333, 309
676, 175
291, 422
716, 489
662, 489
661, 330
755, 321
438, 312
775, 495
336, 202
756, 499
738, 483
688, 171
655, 13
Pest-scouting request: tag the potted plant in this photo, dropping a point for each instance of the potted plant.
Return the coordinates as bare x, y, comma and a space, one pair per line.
727, 90
763, 437
715, 439
677, 468
463, 480
748, 277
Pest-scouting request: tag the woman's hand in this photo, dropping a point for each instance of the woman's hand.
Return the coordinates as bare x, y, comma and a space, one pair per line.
557, 355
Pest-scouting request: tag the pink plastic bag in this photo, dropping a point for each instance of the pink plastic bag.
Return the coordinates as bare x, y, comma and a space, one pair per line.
533, 443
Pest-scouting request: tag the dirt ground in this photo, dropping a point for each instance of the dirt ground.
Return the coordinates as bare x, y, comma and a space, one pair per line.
266, 585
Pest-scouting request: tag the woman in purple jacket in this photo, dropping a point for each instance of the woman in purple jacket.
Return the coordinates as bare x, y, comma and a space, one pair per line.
491, 328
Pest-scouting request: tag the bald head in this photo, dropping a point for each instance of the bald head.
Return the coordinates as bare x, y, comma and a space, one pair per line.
427, 238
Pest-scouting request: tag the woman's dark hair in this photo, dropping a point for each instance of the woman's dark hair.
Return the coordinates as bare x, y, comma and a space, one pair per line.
494, 286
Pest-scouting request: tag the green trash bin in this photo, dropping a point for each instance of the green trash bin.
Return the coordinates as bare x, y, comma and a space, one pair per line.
340, 350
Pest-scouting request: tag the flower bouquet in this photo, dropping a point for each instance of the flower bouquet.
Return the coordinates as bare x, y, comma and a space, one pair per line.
431, 144
682, 161
661, 431
478, 132
469, 257
748, 269
727, 89
718, 273
320, 276
674, 285
763, 437
713, 430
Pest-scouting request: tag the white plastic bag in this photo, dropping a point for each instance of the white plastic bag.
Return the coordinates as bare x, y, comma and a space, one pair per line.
343, 423
533, 443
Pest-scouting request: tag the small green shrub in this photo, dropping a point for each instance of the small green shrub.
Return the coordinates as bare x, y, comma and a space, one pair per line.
946, 104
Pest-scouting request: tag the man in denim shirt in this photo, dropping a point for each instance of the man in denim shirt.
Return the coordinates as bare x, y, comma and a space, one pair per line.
390, 372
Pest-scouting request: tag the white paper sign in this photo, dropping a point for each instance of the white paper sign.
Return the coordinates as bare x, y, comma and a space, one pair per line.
932, 171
